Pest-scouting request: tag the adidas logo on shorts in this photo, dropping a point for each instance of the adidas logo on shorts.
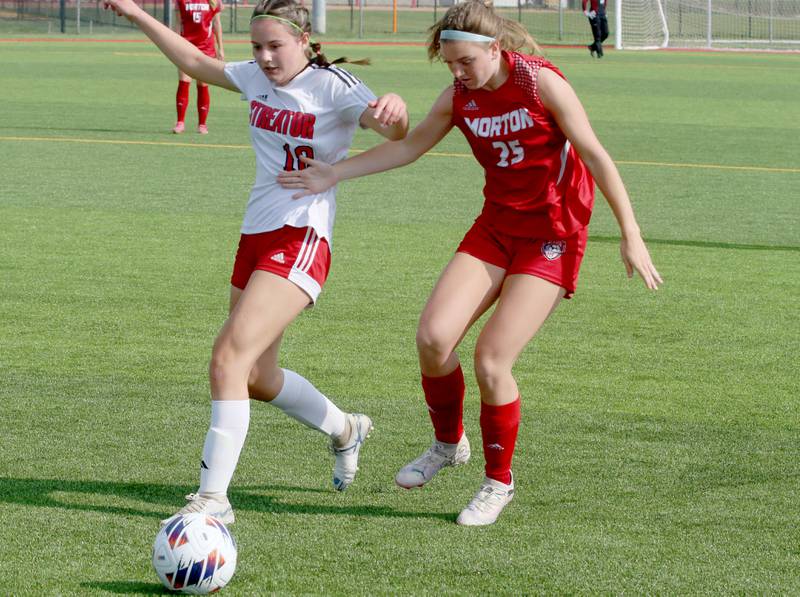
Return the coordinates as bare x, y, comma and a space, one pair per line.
278, 257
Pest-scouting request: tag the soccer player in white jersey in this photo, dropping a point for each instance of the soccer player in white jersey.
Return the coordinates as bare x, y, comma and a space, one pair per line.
300, 106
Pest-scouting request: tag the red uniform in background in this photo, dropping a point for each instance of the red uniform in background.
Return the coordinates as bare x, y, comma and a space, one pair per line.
196, 23
197, 26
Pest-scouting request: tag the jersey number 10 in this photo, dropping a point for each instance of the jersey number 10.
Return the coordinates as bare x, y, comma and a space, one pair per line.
293, 157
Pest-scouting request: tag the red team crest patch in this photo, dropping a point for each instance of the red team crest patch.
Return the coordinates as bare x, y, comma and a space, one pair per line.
553, 249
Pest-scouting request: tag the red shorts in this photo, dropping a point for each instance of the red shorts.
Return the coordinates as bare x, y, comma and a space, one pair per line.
206, 46
556, 261
297, 254
209, 50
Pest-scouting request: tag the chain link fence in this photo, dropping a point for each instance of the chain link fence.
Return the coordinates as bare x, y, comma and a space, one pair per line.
731, 23
550, 21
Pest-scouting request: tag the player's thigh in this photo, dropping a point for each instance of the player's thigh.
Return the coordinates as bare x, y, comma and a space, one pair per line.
464, 291
263, 310
524, 304
182, 76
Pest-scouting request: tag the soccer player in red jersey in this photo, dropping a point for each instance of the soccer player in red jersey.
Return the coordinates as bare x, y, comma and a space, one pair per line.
530, 133
199, 24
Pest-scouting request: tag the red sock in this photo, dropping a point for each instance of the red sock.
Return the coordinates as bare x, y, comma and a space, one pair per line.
203, 101
445, 398
499, 426
182, 99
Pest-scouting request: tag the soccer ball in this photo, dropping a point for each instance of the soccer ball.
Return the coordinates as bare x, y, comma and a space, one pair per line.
194, 553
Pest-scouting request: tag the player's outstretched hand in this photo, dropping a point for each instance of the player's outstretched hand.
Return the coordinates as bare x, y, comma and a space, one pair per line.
388, 109
123, 8
315, 178
635, 256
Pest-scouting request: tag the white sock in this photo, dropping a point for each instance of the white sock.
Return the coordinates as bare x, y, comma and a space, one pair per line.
224, 440
300, 400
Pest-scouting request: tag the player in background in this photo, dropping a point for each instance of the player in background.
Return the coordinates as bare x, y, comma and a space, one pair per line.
200, 24
595, 11
300, 106
528, 130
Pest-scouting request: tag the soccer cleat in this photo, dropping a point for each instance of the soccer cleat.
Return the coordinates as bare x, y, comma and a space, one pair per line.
344, 471
591, 49
202, 129
179, 127
434, 459
487, 504
219, 508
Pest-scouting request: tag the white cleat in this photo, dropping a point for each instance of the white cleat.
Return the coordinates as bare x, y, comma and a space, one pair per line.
344, 471
487, 504
219, 508
434, 459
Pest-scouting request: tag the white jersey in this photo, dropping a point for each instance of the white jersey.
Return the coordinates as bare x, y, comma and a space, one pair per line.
314, 115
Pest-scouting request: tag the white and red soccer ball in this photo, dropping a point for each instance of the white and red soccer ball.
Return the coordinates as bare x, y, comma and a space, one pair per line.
194, 553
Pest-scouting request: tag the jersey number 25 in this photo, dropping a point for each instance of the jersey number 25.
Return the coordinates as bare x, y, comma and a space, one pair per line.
510, 148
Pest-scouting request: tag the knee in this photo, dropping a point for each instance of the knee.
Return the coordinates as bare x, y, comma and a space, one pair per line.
433, 345
490, 366
224, 363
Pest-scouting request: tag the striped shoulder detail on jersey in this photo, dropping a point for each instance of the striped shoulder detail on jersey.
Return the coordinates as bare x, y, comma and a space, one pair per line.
328, 69
345, 73
347, 78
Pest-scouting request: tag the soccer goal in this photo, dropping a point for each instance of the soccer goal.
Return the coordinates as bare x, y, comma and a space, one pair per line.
762, 24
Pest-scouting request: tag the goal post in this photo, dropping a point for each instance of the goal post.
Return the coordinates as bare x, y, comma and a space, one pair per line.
640, 25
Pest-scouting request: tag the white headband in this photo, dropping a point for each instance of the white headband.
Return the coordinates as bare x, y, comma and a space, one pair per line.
456, 35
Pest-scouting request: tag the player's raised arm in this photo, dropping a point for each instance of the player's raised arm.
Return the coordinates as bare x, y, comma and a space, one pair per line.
560, 99
181, 52
319, 176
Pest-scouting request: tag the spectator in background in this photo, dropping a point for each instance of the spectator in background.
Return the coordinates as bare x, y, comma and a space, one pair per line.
199, 24
595, 11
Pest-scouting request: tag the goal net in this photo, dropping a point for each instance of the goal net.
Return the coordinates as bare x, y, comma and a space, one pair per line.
763, 24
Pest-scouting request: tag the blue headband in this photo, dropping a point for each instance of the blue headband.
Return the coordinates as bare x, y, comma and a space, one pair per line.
456, 35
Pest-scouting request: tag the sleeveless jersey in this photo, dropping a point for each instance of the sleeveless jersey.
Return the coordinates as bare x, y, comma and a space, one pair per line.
314, 115
196, 21
536, 184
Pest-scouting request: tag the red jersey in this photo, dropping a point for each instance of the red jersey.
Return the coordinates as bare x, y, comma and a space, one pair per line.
196, 22
599, 6
536, 184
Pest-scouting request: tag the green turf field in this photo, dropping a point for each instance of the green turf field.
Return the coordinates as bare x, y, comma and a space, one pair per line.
659, 451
